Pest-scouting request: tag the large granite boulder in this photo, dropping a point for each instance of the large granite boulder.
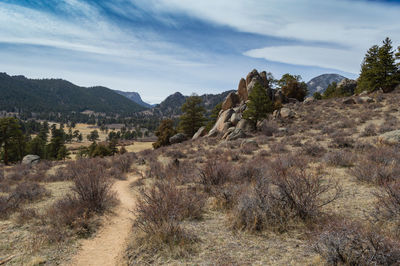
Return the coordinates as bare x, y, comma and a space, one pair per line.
177, 138
231, 101
223, 118
31, 159
242, 90
235, 118
200, 133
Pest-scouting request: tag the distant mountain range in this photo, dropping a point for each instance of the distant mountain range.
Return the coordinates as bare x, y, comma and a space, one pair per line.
134, 96
171, 106
20, 94
320, 83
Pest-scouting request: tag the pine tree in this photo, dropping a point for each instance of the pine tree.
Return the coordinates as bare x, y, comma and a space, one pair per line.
12, 140
163, 133
379, 70
193, 116
259, 106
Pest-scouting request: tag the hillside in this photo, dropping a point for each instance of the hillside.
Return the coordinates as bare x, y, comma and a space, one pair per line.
320, 83
134, 96
171, 106
56, 95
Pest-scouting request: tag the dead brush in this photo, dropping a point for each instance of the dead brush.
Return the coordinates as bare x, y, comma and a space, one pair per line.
285, 194
340, 158
369, 131
351, 244
214, 173
159, 212
29, 192
92, 186
387, 208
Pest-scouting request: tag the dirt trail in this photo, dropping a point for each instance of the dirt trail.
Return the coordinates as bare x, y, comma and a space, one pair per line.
109, 244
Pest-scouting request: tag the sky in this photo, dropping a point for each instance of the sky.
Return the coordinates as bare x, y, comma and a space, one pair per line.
158, 47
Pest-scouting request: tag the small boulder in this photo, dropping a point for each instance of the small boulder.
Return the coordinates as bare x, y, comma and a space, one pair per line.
366, 99
349, 101
391, 137
200, 133
31, 159
177, 138
236, 134
309, 100
286, 113
230, 101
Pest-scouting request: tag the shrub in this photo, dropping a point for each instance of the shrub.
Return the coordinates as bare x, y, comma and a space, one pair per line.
258, 209
123, 162
349, 244
214, 173
28, 192
339, 158
303, 192
8, 205
92, 185
313, 149
160, 209
26, 215
66, 217
388, 204
369, 131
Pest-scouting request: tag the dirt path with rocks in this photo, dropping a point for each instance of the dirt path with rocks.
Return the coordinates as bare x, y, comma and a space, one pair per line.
110, 242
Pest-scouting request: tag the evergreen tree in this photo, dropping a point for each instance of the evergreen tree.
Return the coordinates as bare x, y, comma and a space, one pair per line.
93, 136
193, 115
163, 133
317, 95
37, 146
12, 141
379, 70
57, 142
259, 106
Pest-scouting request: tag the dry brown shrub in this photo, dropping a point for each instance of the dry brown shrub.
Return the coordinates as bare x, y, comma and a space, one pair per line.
8, 205
67, 217
387, 207
369, 131
27, 215
159, 212
92, 185
214, 173
351, 244
340, 158
29, 192
313, 149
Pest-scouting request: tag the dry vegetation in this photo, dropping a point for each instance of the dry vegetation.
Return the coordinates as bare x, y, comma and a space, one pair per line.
315, 189
312, 190
46, 208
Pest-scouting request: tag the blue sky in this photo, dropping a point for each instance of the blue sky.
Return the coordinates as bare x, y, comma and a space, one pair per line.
158, 47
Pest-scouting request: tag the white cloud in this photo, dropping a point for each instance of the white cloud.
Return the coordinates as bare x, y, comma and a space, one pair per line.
310, 56
353, 26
